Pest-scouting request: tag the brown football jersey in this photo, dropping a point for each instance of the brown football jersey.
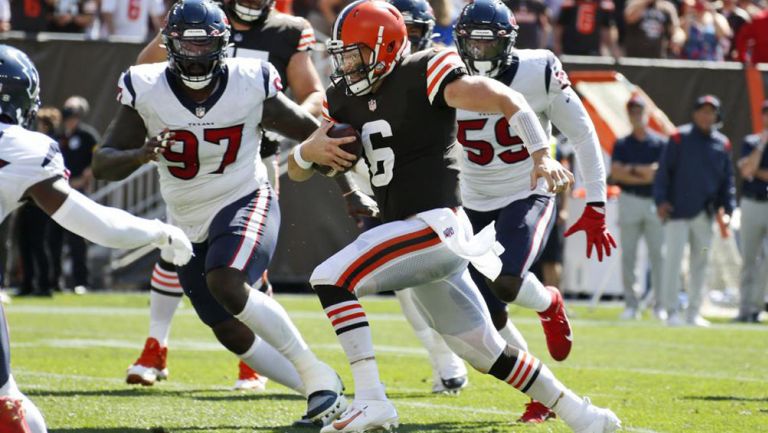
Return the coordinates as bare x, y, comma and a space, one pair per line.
408, 133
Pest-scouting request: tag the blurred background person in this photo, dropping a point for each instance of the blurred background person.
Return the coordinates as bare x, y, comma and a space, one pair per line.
77, 141
753, 166
706, 31
132, 18
652, 29
736, 17
693, 183
74, 16
533, 20
32, 224
5, 15
31, 15
752, 40
587, 28
634, 165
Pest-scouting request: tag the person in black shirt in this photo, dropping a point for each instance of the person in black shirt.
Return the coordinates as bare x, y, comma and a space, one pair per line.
635, 161
587, 28
77, 142
31, 15
532, 17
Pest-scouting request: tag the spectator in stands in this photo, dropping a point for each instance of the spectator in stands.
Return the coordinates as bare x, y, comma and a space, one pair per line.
751, 7
753, 166
752, 40
74, 16
31, 15
132, 18
634, 165
706, 31
533, 18
445, 12
694, 182
5, 16
77, 141
736, 17
586, 27
31, 226
652, 29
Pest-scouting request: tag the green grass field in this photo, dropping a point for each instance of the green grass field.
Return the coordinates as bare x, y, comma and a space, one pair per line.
70, 355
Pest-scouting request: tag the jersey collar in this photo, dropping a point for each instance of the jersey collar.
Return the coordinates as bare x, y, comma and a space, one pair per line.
508, 75
198, 109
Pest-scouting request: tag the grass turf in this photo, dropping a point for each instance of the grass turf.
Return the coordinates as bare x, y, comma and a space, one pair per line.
70, 354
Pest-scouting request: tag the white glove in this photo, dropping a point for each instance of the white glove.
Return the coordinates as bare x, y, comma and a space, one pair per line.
174, 244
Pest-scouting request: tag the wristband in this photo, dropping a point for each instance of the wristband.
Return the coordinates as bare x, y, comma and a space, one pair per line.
528, 127
301, 162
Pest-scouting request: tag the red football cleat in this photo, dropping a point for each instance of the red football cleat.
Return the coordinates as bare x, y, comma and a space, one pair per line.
12, 416
536, 413
557, 329
248, 379
151, 365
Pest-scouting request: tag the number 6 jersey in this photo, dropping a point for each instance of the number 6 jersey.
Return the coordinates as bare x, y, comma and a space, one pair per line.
408, 134
213, 159
496, 167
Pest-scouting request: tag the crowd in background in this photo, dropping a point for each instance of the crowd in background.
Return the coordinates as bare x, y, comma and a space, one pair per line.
686, 29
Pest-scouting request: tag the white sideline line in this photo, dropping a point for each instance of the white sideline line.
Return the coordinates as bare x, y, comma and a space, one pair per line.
318, 315
193, 345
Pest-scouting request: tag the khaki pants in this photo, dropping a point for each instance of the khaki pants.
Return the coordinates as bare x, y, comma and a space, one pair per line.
677, 234
637, 218
754, 273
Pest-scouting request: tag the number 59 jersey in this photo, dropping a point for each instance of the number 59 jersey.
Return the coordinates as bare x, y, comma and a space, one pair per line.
408, 134
495, 165
213, 158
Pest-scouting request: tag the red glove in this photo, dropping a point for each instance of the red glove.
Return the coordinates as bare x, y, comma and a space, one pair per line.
592, 221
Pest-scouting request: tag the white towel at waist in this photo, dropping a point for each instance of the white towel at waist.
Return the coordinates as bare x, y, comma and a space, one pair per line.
455, 230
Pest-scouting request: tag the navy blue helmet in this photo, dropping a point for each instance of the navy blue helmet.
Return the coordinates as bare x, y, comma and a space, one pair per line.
485, 34
19, 87
196, 38
419, 20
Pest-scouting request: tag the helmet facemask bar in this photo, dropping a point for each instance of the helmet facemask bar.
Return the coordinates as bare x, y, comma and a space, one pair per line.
196, 59
350, 68
423, 39
485, 51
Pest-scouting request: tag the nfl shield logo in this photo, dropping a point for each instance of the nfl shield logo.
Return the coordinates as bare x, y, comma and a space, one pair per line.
200, 112
372, 105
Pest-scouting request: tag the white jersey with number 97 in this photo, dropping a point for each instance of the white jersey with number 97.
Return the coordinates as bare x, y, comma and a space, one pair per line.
213, 159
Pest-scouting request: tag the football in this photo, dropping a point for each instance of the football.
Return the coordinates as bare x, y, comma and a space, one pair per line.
339, 130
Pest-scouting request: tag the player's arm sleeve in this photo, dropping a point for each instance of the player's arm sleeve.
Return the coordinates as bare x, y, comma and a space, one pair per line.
270, 80
126, 92
443, 68
664, 174
306, 38
568, 114
326, 112
110, 227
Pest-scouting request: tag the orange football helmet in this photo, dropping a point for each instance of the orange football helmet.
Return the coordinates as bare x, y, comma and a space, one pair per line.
372, 24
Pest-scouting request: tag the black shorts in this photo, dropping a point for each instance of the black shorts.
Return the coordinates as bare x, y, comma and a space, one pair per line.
243, 236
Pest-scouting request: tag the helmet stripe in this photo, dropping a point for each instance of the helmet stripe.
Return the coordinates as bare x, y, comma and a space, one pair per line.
342, 16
